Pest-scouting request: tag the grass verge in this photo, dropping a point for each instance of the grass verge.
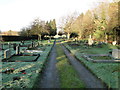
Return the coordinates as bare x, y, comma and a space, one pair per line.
68, 76
107, 72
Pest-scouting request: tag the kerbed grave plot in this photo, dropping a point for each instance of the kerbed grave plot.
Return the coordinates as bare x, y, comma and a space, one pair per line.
100, 58
24, 74
107, 72
23, 58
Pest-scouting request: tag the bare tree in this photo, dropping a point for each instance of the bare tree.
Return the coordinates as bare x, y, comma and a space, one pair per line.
68, 22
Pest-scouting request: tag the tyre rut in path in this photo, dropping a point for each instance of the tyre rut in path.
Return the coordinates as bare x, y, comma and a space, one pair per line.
50, 77
89, 79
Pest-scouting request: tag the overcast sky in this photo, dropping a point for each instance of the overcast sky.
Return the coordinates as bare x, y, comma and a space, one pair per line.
15, 14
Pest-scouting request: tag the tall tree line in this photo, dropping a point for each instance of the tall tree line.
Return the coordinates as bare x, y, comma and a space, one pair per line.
40, 28
101, 23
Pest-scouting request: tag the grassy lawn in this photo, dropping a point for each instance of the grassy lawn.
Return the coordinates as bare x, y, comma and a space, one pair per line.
32, 70
107, 72
68, 76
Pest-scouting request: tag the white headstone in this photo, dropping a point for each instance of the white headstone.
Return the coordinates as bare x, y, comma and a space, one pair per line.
17, 49
116, 53
7, 54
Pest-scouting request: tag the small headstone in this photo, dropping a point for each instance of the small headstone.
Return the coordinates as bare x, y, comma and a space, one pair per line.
17, 49
7, 54
116, 53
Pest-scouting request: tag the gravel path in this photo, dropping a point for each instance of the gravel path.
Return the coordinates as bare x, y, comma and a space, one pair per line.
50, 77
89, 79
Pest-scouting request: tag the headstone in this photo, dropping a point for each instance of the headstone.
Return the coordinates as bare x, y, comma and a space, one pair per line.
116, 53
17, 50
7, 54
114, 42
90, 41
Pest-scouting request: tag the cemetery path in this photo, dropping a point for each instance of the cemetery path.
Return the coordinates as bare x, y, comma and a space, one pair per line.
89, 79
49, 78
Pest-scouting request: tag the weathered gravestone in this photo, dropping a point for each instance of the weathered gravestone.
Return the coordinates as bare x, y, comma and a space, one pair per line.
7, 53
17, 50
116, 53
